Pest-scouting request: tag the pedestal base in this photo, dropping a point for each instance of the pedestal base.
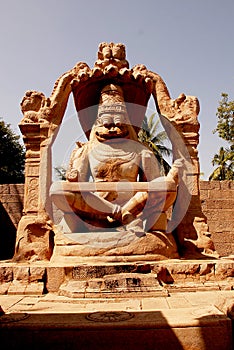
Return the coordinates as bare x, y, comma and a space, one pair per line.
113, 246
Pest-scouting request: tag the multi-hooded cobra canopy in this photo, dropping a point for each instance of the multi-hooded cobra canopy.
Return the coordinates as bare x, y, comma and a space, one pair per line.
111, 68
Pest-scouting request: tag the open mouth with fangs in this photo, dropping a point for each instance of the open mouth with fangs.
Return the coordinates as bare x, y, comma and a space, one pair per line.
111, 134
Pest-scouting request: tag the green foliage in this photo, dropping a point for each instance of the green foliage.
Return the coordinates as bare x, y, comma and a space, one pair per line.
12, 156
60, 172
154, 139
225, 114
225, 161
225, 129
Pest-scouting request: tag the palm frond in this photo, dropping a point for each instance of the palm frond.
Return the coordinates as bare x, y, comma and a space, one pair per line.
225, 161
153, 138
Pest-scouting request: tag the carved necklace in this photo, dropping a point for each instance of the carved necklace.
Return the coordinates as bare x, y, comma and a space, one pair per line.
102, 151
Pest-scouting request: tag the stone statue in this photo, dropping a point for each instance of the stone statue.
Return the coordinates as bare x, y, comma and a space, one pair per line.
114, 154
37, 108
114, 202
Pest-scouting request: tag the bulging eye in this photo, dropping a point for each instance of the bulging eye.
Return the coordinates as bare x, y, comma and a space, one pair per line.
106, 120
118, 120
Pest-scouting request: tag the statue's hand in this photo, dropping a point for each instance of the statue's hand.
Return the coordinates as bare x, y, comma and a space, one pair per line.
72, 175
174, 171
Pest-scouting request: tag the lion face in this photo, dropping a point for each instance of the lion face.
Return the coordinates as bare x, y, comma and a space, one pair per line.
111, 126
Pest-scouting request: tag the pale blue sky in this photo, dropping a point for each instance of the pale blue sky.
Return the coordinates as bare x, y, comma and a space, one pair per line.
189, 43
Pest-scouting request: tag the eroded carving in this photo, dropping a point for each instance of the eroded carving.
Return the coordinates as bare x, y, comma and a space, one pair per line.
39, 109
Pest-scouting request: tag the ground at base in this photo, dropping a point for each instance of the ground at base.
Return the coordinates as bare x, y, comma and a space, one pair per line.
188, 320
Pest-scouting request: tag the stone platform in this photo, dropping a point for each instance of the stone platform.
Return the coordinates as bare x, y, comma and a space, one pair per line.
172, 304
189, 321
93, 278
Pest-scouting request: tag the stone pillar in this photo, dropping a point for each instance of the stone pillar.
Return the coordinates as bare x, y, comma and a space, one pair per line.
34, 234
179, 118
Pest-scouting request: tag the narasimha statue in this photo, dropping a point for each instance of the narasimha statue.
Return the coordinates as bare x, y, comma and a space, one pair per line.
114, 155
115, 204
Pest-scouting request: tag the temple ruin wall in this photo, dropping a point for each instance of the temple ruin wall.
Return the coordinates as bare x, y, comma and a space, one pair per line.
217, 198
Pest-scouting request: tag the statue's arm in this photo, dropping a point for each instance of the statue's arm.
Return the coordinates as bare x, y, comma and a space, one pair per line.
78, 169
149, 166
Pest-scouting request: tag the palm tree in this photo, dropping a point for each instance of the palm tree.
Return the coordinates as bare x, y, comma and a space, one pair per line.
154, 139
225, 161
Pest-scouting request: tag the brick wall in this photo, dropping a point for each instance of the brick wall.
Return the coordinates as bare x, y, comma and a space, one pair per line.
217, 203
11, 197
11, 207
217, 199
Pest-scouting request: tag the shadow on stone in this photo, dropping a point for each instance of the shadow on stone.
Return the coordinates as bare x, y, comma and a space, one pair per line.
7, 236
98, 330
117, 330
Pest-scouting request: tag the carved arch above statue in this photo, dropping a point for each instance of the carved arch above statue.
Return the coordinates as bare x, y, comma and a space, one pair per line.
138, 84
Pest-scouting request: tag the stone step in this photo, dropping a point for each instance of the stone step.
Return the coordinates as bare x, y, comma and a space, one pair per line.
122, 284
155, 278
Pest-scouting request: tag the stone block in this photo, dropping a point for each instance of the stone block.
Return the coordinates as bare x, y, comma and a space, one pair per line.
6, 274
224, 249
55, 277
203, 185
34, 288
125, 283
224, 270
185, 269
11, 198
4, 288
226, 285
222, 215
177, 302
17, 287
17, 189
84, 272
204, 194
154, 303
4, 189
95, 284
207, 270
220, 226
73, 289
226, 305
88, 272
219, 204
223, 237
227, 184
210, 185
220, 194
190, 286
211, 286
14, 207
36, 273
21, 273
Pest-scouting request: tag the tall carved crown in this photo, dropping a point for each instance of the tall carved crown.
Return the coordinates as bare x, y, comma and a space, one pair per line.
111, 67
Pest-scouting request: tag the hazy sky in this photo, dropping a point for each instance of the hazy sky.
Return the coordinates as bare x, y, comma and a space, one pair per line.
189, 43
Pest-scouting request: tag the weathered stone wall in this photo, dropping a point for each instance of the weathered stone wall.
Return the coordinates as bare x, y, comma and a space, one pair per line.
11, 207
11, 197
217, 204
217, 199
